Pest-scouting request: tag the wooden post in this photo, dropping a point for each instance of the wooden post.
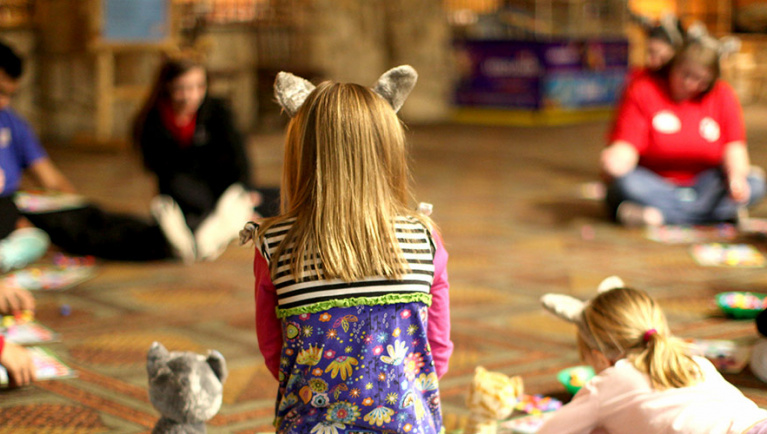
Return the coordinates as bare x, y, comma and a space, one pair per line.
105, 73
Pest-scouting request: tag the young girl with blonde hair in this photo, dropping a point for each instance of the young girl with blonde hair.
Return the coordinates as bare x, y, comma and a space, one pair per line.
352, 309
646, 382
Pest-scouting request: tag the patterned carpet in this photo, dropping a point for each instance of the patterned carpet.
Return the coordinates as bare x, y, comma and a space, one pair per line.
507, 201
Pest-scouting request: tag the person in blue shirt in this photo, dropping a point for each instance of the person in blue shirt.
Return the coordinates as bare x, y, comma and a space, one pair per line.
20, 150
87, 230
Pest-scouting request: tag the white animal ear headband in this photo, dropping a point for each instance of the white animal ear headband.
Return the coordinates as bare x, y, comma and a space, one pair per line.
725, 46
570, 308
394, 86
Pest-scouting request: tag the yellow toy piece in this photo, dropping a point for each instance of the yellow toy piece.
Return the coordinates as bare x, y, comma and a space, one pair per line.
20, 318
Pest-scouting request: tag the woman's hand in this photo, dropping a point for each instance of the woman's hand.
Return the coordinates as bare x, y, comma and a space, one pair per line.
50, 177
19, 364
618, 159
740, 191
736, 164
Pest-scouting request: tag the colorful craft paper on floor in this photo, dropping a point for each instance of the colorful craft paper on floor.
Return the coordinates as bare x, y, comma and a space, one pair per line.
727, 255
38, 201
29, 334
684, 234
728, 356
22, 329
524, 425
48, 277
47, 366
533, 404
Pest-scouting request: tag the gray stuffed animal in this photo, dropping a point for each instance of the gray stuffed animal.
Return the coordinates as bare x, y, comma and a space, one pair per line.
185, 387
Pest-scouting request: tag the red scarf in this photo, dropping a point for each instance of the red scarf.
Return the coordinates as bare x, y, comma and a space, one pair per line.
181, 133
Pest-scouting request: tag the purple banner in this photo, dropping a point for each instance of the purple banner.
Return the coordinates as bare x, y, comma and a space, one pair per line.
537, 74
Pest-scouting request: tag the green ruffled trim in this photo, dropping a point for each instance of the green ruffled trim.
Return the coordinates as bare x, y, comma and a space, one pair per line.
355, 301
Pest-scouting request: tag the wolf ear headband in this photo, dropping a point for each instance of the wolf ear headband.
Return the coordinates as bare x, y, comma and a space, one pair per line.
725, 46
668, 25
394, 86
570, 308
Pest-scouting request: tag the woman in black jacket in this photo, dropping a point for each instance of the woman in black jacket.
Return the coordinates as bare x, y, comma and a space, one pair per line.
189, 141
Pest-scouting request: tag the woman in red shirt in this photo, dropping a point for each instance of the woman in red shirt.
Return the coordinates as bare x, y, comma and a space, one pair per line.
678, 152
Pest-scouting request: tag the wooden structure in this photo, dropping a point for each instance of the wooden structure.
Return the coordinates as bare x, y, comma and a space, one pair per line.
114, 32
715, 14
94, 73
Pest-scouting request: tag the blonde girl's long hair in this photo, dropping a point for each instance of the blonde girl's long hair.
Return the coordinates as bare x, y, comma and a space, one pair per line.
345, 179
626, 322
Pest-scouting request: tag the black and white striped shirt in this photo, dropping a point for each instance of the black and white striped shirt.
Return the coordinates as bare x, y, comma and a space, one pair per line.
414, 239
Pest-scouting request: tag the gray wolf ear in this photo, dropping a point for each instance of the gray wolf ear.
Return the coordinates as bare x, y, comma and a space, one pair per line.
291, 91
644, 22
395, 85
217, 363
156, 358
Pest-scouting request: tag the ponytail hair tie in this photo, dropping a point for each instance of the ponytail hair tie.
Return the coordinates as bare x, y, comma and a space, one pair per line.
648, 334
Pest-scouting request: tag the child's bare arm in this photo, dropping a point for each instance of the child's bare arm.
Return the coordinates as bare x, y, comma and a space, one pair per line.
50, 177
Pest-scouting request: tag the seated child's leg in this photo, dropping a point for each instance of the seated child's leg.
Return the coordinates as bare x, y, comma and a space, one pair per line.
22, 247
233, 210
92, 231
9, 216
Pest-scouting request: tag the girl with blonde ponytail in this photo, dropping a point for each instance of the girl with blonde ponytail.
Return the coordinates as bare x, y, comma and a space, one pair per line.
646, 381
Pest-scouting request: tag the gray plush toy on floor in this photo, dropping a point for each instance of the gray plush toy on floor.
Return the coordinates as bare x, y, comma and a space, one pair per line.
185, 387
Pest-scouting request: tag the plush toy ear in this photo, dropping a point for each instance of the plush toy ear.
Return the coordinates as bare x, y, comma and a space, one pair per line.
218, 365
156, 358
564, 306
291, 92
395, 85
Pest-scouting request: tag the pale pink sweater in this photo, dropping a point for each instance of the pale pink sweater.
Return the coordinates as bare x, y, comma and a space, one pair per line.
621, 400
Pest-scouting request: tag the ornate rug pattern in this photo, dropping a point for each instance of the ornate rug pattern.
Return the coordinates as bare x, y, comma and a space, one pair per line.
507, 202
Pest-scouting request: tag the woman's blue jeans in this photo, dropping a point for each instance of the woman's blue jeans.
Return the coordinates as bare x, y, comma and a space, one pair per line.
706, 201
